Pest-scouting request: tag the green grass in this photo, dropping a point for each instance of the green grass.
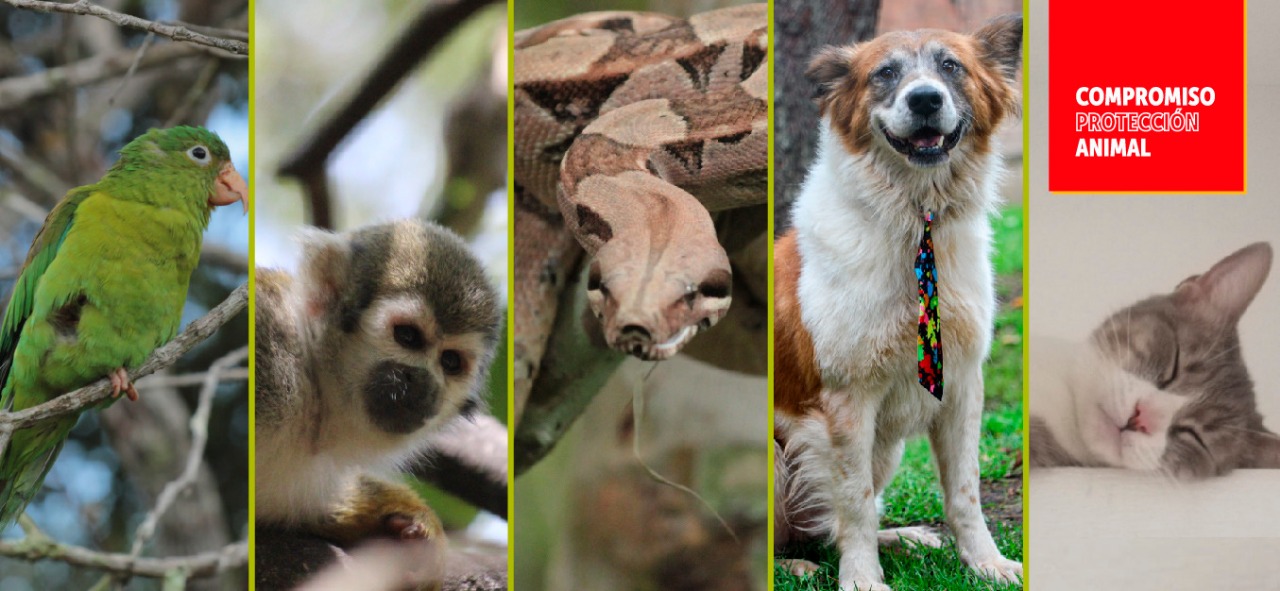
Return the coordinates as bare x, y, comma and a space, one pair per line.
914, 568
914, 496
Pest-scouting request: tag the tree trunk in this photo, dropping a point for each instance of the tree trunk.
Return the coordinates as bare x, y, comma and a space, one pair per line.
802, 27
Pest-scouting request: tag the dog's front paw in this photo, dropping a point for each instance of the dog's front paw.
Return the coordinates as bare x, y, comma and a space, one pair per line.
999, 569
865, 586
919, 535
797, 567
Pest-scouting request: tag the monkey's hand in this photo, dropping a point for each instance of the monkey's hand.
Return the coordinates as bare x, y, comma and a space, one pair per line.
377, 509
388, 523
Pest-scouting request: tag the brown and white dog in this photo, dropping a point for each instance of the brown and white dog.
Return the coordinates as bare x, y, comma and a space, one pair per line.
907, 126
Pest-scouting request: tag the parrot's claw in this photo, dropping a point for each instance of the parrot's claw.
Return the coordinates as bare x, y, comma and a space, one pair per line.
120, 383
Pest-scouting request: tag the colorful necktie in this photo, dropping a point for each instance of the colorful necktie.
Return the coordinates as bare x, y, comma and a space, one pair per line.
929, 343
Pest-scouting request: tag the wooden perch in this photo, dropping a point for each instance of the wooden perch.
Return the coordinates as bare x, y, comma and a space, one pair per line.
100, 390
175, 32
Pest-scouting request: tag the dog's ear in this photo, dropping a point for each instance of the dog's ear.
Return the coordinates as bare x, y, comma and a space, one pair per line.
828, 67
1000, 44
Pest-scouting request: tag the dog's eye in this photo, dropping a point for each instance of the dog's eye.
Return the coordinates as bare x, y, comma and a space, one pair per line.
885, 73
950, 66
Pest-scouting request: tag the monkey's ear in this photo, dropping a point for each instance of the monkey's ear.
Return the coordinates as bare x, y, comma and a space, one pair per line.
325, 260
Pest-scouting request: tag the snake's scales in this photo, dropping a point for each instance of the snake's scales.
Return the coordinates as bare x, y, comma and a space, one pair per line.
631, 131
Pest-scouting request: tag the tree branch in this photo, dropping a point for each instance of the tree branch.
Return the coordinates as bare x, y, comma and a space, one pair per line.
238, 374
15, 92
31, 175
199, 437
40, 547
223, 257
100, 390
573, 371
307, 164
177, 33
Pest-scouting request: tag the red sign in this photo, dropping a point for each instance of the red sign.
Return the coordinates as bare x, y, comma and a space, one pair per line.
1147, 96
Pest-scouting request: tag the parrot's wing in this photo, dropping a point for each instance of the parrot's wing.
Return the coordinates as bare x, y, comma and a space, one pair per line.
43, 250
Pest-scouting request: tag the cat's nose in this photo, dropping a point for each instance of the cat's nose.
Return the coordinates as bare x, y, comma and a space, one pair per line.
1137, 422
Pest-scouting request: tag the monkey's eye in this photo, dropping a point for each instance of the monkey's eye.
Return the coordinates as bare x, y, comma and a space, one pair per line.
451, 362
409, 337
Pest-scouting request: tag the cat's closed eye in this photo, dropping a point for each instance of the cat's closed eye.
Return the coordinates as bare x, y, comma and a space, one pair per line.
1171, 373
1189, 434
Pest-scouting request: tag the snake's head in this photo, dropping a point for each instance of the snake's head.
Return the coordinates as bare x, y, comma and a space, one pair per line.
650, 307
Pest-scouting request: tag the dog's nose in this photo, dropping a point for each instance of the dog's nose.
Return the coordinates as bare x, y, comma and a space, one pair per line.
924, 100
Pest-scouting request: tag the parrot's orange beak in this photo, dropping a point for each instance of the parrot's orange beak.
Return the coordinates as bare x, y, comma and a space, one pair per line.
230, 188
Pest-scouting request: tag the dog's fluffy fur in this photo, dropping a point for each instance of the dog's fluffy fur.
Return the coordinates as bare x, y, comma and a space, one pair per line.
907, 125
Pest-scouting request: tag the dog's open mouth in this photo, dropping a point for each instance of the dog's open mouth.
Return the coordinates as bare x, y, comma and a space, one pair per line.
927, 146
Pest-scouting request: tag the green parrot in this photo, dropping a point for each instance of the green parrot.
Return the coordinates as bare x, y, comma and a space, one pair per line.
103, 286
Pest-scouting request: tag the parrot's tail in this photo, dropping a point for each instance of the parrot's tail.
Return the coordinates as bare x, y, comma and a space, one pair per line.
26, 462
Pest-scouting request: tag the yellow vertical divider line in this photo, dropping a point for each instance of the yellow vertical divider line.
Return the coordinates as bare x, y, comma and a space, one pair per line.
1026, 274
769, 330
253, 179
511, 292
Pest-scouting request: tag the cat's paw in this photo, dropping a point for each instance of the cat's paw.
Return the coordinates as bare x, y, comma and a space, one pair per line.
797, 567
999, 569
900, 536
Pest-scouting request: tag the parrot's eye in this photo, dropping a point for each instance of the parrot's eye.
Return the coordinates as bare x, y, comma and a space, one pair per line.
199, 155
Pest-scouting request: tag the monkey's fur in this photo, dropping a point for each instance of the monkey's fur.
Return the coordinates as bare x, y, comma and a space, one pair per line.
382, 340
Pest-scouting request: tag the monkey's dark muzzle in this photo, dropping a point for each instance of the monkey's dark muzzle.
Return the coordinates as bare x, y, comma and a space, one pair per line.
400, 398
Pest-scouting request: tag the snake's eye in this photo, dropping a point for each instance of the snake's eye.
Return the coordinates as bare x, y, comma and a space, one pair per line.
594, 281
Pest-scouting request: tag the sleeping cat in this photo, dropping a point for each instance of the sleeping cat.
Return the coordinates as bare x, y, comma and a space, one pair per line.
1161, 385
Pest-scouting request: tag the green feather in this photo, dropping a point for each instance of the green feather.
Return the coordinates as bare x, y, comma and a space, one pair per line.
102, 286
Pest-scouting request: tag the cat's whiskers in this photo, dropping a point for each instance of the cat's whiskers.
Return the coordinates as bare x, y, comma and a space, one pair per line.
1224, 352
1170, 476
1267, 434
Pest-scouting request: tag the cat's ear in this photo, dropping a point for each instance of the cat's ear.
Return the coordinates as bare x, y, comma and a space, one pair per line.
1227, 288
1265, 449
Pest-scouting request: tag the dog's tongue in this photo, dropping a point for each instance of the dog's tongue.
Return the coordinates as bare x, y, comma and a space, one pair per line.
928, 141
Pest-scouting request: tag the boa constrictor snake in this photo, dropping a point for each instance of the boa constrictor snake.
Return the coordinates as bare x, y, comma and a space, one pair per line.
632, 130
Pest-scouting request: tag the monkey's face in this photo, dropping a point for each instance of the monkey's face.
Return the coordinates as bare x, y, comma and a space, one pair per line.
408, 373
405, 324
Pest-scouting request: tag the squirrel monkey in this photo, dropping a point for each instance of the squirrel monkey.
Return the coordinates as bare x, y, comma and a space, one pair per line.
384, 337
